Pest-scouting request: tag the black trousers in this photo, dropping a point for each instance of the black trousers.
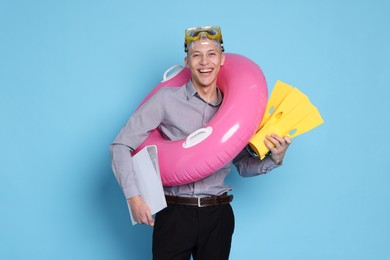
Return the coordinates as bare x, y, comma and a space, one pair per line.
181, 231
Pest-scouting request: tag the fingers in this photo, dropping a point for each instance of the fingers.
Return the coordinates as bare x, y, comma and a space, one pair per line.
269, 144
278, 141
277, 146
145, 217
141, 211
150, 220
288, 140
273, 142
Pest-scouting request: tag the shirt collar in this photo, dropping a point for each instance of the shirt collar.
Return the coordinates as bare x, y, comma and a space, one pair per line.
191, 92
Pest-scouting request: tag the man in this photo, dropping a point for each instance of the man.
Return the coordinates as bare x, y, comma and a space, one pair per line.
184, 229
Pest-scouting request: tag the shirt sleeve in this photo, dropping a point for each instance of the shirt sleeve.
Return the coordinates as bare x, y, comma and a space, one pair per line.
145, 119
122, 166
248, 166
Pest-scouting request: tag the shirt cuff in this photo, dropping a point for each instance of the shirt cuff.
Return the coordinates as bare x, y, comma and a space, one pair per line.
269, 164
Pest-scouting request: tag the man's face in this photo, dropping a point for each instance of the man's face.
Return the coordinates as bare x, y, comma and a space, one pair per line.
204, 60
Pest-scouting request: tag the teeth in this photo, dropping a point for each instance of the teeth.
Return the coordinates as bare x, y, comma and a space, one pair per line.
205, 70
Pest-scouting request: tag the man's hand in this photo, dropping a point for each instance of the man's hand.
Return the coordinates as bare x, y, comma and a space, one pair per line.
277, 146
140, 211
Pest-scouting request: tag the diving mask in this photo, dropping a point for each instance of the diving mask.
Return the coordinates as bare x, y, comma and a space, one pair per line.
205, 32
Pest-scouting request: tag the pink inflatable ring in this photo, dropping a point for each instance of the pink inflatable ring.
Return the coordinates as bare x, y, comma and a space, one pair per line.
208, 149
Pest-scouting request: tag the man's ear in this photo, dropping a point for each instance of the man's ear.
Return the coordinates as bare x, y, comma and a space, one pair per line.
186, 61
222, 58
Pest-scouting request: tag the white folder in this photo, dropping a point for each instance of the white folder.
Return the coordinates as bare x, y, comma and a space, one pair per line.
149, 184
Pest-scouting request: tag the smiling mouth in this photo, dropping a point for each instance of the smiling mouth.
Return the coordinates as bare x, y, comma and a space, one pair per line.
205, 70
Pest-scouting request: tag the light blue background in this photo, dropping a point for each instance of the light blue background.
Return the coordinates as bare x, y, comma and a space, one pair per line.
72, 72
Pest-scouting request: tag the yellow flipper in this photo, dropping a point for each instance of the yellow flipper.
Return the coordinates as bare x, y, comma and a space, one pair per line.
280, 91
294, 99
295, 115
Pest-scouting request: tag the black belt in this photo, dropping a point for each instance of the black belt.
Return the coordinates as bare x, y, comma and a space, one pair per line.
200, 201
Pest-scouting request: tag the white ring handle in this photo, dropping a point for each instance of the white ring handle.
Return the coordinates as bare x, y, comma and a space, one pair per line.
167, 77
197, 136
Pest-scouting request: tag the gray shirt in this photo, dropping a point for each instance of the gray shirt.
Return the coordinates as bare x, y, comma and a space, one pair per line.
176, 112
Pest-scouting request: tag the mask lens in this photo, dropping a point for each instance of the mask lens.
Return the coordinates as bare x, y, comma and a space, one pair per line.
211, 32
194, 34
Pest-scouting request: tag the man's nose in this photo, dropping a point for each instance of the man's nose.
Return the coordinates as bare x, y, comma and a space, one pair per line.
204, 60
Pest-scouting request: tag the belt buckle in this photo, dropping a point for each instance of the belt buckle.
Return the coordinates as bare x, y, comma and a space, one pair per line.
200, 204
